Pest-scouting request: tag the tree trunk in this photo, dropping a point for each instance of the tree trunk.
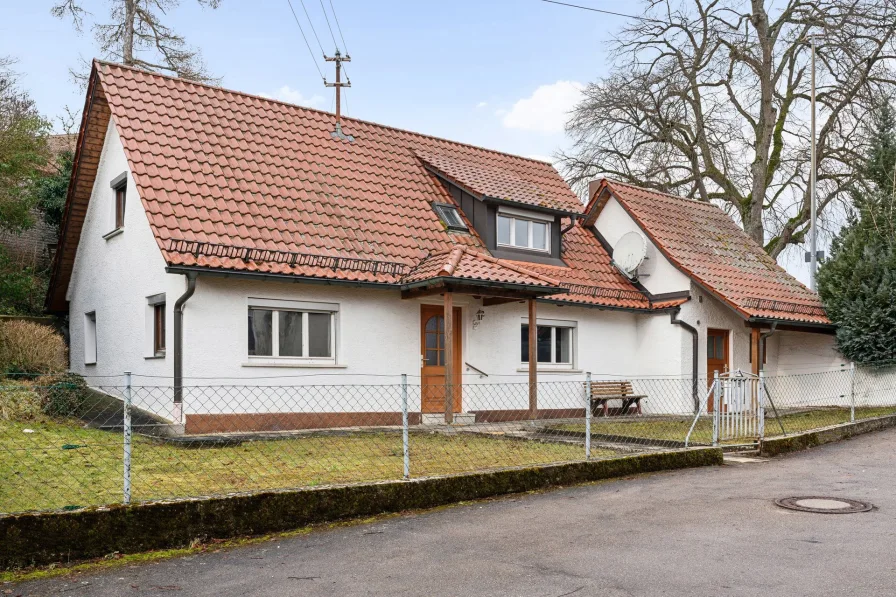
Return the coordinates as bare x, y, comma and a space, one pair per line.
765, 126
130, 16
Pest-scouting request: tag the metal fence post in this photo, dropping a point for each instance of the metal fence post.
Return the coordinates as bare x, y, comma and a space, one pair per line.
588, 415
760, 401
404, 426
126, 424
716, 399
852, 392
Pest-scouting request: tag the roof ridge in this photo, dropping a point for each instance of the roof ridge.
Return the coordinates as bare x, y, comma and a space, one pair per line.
358, 120
669, 195
454, 258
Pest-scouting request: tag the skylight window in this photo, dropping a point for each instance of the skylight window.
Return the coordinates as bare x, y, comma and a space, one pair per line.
450, 217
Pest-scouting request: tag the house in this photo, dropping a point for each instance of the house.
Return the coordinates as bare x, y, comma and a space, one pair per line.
213, 237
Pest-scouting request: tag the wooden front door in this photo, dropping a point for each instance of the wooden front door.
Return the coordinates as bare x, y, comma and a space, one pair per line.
716, 358
432, 359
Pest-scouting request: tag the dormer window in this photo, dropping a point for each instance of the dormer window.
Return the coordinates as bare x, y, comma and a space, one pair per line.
450, 217
524, 231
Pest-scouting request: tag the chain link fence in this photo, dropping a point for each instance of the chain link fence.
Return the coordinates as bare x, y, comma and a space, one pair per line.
67, 444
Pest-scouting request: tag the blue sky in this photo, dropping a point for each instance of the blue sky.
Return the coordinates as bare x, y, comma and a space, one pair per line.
498, 74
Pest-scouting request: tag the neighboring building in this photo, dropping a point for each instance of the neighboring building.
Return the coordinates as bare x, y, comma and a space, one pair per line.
294, 251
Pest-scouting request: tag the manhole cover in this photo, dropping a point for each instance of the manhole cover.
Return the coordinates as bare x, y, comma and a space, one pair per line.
823, 505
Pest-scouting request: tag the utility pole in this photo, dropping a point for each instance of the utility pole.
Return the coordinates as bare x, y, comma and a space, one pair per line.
338, 84
813, 209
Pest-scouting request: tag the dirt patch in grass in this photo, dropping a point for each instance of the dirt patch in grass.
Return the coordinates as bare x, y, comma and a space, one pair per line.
59, 465
676, 428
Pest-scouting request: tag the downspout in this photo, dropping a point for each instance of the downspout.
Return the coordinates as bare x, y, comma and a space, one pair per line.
696, 352
563, 231
179, 336
762, 338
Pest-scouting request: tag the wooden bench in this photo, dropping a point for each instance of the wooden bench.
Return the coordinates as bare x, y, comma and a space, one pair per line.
604, 391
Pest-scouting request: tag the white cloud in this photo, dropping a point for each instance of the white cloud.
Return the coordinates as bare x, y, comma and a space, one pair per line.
294, 96
481, 105
547, 109
541, 158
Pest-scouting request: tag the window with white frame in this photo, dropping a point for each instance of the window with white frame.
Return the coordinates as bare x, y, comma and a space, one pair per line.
90, 338
156, 326
554, 343
521, 232
292, 331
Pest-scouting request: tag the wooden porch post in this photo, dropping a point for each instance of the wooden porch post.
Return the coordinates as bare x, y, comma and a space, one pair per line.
533, 361
755, 335
449, 357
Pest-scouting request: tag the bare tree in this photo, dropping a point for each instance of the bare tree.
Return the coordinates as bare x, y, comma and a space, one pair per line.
135, 35
709, 99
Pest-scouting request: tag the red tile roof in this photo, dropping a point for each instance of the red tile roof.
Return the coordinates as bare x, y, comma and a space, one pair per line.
235, 181
529, 186
469, 264
239, 182
702, 241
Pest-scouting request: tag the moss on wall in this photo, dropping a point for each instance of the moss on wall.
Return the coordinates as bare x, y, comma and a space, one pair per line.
38, 539
810, 439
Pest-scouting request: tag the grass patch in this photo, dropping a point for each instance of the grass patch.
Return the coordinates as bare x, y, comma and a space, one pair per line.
59, 464
676, 429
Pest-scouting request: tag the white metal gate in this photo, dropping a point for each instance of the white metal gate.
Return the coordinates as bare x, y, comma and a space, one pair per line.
739, 407
736, 403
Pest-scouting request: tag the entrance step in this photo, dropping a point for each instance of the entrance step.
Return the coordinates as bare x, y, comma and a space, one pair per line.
439, 419
743, 458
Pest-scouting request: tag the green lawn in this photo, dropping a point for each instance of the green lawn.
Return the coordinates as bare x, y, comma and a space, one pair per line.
676, 429
60, 464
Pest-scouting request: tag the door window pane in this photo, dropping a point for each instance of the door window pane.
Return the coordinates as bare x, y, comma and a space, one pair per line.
503, 230
521, 233
434, 338
319, 334
710, 346
260, 332
539, 235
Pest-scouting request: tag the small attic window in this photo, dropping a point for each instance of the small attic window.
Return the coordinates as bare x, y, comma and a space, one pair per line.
450, 216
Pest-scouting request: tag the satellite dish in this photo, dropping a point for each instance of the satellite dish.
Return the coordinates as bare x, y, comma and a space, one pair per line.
629, 253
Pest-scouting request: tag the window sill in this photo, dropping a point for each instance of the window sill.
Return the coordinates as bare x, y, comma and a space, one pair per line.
114, 233
549, 370
93, 364
155, 356
526, 249
293, 365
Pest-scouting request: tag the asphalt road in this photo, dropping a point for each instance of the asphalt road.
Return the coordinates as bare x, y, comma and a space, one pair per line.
712, 531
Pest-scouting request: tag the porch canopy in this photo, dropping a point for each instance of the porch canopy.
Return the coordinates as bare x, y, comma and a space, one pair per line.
467, 271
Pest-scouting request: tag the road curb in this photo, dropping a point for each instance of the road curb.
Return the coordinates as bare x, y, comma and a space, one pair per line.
803, 441
45, 538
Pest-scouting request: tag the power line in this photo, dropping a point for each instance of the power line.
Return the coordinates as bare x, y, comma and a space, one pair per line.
328, 25
320, 45
310, 51
342, 37
606, 12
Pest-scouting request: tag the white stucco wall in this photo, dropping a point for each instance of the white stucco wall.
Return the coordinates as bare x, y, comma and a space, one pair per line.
658, 275
378, 338
705, 312
113, 278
